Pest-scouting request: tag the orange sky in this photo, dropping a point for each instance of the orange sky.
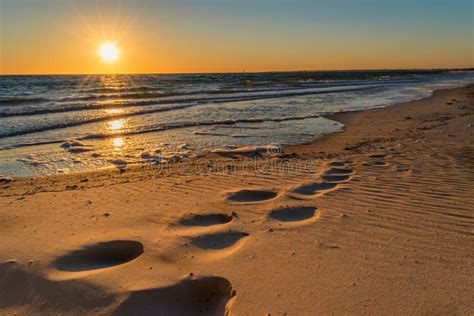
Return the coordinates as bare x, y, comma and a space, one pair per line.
52, 36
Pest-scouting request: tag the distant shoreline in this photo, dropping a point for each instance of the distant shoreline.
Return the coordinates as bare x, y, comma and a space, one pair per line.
249, 72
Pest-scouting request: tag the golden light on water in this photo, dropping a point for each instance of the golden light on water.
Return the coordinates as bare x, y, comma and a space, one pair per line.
116, 125
108, 52
114, 111
117, 142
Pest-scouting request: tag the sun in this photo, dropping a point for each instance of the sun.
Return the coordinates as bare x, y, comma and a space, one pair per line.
108, 52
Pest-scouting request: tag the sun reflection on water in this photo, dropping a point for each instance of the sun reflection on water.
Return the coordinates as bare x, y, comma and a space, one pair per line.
114, 111
116, 125
118, 142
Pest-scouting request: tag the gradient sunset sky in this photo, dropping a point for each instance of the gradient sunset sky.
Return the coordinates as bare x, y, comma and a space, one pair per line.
173, 36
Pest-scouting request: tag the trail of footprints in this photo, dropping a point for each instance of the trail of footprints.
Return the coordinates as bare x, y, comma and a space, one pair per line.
330, 180
337, 173
209, 295
377, 160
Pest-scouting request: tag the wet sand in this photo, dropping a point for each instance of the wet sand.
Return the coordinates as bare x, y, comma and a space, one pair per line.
377, 219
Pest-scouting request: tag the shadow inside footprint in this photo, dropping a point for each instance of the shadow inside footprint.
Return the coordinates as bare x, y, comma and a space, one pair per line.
292, 214
204, 296
219, 240
339, 172
251, 196
377, 156
205, 219
336, 179
313, 188
99, 256
337, 164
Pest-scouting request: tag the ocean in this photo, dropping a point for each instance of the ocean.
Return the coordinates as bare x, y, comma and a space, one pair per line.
62, 124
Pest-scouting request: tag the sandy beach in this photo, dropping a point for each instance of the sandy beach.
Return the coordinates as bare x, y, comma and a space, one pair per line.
376, 219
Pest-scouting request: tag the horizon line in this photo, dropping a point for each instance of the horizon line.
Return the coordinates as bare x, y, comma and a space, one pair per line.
242, 72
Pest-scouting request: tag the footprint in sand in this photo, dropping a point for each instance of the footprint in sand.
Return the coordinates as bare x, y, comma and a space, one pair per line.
203, 296
204, 220
219, 241
251, 196
293, 214
314, 189
377, 156
99, 256
336, 178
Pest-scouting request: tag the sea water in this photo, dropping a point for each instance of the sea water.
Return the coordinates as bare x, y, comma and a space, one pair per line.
62, 124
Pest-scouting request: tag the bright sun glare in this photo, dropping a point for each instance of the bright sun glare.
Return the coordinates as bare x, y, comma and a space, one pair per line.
108, 52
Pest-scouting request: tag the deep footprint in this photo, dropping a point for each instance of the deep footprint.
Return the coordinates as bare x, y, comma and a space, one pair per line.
314, 188
251, 196
204, 296
99, 256
335, 179
292, 214
331, 172
219, 240
205, 220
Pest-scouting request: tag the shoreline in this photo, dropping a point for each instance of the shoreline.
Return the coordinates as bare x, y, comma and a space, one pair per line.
353, 223
304, 148
333, 117
350, 117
